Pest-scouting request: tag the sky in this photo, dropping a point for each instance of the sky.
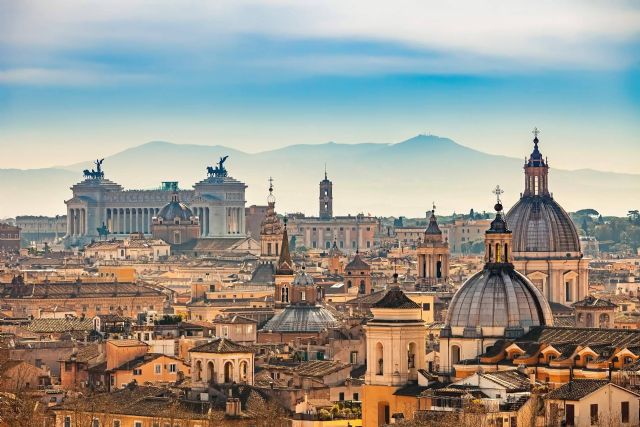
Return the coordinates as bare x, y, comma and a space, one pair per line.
85, 79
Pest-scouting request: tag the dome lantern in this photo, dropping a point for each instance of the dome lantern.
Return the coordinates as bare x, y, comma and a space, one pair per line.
498, 237
536, 171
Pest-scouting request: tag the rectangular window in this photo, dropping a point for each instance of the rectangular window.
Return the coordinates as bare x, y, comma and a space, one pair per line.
624, 411
570, 414
341, 396
354, 358
137, 424
594, 414
426, 306
116, 423
356, 397
137, 371
158, 369
67, 421
173, 368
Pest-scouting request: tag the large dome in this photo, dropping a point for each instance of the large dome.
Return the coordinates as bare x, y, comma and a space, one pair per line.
175, 209
539, 224
499, 298
302, 318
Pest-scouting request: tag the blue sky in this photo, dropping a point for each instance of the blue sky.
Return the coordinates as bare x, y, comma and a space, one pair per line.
80, 79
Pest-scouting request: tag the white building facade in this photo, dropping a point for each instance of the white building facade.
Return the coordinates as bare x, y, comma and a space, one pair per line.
218, 201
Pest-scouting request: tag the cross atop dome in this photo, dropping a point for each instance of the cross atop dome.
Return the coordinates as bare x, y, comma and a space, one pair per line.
498, 191
535, 133
271, 198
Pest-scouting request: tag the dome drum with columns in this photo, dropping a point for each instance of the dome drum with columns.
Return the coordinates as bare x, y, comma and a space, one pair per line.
546, 246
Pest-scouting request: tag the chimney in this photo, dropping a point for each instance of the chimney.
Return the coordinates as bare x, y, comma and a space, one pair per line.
233, 407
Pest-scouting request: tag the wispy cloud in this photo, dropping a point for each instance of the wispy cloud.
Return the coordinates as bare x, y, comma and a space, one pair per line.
68, 77
462, 36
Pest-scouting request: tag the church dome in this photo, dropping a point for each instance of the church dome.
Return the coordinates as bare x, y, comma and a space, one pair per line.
175, 209
499, 298
302, 318
540, 224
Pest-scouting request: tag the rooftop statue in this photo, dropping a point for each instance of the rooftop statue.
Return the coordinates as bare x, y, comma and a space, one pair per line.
219, 170
98, 173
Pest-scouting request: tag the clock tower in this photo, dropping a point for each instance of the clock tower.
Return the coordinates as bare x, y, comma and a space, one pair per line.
326, 198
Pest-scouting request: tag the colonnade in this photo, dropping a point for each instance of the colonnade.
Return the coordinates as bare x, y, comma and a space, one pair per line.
235, 220
130, 220
203, 216
139, 220
77, 222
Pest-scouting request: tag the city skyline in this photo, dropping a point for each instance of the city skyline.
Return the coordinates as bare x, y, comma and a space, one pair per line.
257, 77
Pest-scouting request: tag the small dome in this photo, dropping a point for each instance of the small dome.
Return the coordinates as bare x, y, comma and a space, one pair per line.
539, 224
499, 298
302, 318
302, 278
175, 209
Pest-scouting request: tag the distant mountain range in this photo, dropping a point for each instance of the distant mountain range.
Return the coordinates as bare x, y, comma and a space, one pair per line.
381, 179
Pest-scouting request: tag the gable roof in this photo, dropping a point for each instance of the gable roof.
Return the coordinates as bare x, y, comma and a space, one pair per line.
395, 298
357, 263
582, 336
577, 389
513, 380
592, 301
59, 325
221, 345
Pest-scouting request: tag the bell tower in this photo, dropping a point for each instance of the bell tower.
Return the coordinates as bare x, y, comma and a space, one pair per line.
396, 348
433, 256
270, 229
284, 273
326, 197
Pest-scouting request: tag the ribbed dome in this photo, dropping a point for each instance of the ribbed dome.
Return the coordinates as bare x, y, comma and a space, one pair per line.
539, 224
499, 297
175, 209
302, 318
302, 278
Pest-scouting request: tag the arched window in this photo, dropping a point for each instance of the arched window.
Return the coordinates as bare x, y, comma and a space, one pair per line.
244, 370
348, 284
211, 372
284, 294
362, 289
379, 359
198, 371
455, 354
439, 269
411, 355
228, 372
604, 320
589, 320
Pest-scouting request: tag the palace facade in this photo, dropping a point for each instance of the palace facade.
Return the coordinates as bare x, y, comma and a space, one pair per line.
218, 201
351, 233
